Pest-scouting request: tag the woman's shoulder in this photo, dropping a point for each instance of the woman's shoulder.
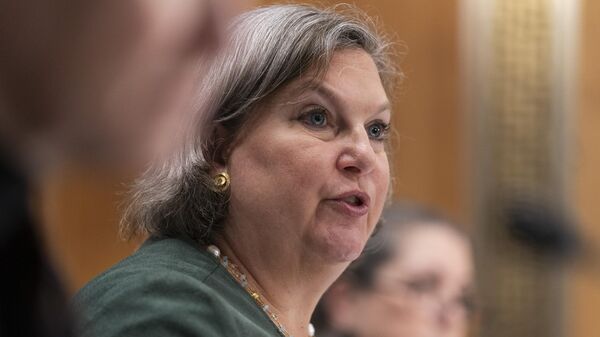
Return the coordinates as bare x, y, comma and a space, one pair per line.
169, 254
167, 288
157, 261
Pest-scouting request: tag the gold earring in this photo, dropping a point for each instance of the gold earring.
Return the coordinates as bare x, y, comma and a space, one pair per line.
221, 181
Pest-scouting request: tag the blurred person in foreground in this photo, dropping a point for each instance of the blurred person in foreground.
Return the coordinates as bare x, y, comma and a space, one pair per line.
414, 279
279, 191
93, 83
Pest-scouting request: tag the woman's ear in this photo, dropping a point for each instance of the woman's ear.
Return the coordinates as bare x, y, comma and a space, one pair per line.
219, 149
341, 305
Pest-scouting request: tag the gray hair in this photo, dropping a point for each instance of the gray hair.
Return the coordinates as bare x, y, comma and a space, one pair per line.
268, 48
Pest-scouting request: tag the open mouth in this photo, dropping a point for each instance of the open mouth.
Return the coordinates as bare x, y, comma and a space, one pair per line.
354, 200
354, 204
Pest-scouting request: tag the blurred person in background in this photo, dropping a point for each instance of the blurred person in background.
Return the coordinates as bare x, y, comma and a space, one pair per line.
280, 189
414, 279
96, 83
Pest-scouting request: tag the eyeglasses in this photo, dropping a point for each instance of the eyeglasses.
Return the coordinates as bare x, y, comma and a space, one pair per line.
424, 294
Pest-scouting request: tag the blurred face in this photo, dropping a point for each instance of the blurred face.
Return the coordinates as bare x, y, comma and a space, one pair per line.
423, 292
108, 80
313, 167
141, 57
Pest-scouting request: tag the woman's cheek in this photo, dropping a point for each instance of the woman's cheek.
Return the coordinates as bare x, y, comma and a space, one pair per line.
382, 183
386, 172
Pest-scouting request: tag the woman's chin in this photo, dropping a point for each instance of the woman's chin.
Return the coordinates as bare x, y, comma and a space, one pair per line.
341, 245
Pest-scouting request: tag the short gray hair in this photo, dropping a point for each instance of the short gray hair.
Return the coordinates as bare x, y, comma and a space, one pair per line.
268, 48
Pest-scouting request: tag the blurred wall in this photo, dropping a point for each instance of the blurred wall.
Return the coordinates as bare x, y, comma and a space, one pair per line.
80, 211
585, 287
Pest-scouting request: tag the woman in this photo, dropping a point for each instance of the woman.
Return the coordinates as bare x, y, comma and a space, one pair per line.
274, 196
414, 279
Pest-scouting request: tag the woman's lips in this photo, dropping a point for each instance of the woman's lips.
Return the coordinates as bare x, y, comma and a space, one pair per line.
353, 204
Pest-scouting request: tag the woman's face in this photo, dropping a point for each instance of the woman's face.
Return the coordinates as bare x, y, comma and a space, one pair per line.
142, 58
311, 175
424, 291
111, 78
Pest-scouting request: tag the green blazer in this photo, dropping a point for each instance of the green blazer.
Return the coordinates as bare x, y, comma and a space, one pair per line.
169, 288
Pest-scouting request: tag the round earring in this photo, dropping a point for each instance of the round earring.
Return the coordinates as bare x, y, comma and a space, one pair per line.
221, 181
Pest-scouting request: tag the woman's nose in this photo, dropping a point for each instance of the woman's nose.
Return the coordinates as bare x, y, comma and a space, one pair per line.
448, 319
357, 156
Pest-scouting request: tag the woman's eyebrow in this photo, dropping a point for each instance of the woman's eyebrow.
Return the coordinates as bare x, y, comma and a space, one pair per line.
328, 93
331, 95
385, 106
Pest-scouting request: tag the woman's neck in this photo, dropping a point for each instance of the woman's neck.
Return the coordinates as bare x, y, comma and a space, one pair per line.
289, 283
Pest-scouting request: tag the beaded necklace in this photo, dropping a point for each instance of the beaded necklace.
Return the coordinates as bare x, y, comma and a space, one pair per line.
242, 280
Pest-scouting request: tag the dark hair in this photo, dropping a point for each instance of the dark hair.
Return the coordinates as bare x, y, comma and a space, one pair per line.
380, 248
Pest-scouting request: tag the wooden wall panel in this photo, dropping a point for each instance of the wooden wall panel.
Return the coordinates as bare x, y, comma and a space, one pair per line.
584, 299
80, 211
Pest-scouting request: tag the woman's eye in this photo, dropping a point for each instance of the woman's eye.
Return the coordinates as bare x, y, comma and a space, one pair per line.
315, 118
377, 131
423, 286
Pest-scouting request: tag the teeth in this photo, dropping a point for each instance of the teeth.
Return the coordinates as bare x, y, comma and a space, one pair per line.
353, 200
